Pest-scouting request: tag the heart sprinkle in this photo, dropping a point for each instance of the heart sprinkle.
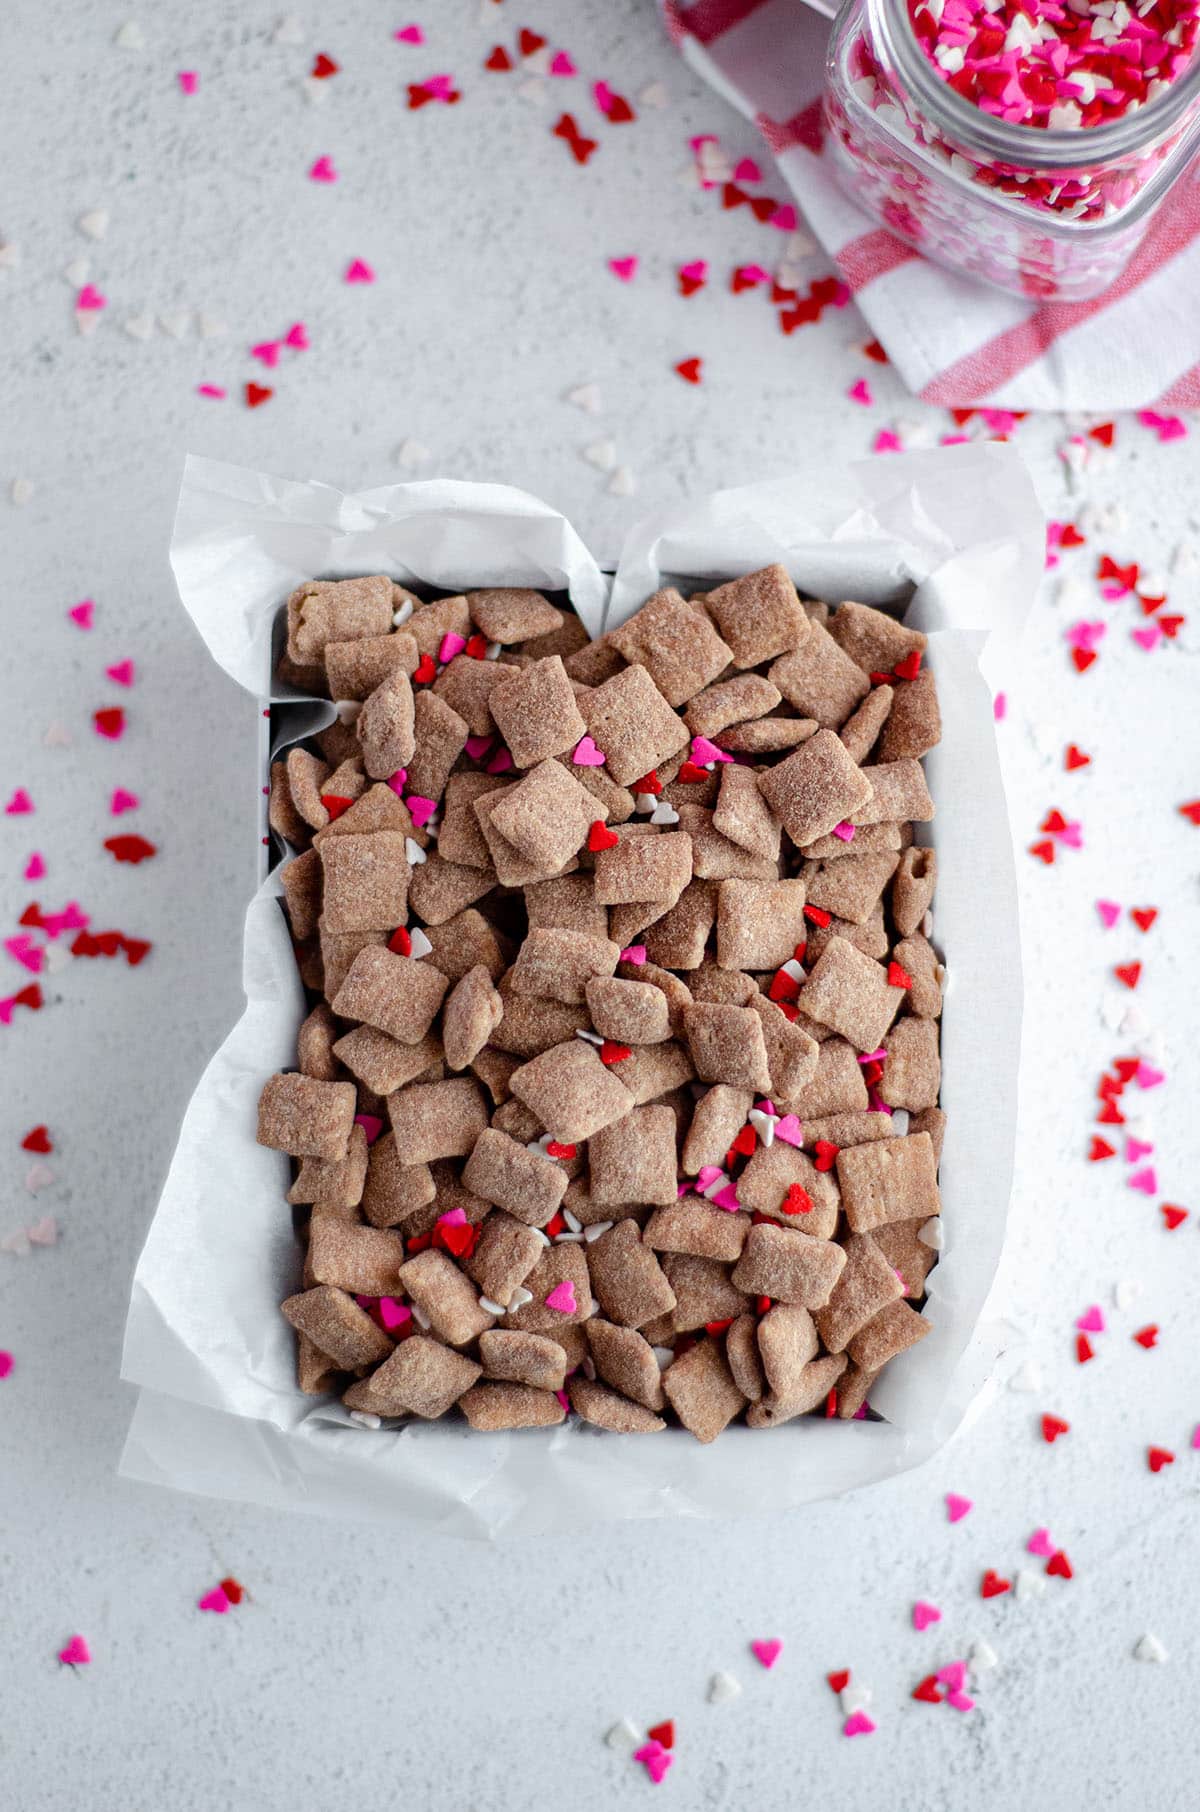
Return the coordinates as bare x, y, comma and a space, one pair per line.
767, 1650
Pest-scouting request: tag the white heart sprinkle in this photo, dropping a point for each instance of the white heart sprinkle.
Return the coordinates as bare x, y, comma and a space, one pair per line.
421, 945
21, 491
602, 454
130, 36
1029, 1585
654, 94
644, 802
899, 1122
411, 454
715, 1187
537, 61
664, 1355
290, 30
982, 1657
44, 1232
95, 224
87, 320
595, 1230
209, 327
854, 1698
664, 813
38, 1176
139, 327
366, 1418
490, 1307
533, 91
763, 1124
1149, 1648
1027, 1377
56, 957
930, 1233
57, 737
176, 322
794, 969
521, 1295
622, 483
586, 397
17, 1243
623, 1736
315, 90
572, 1221
722, 1687
568, 1239
493, 651
588, 1037
402, 613
76, 273
10, 255
414, 852
1126, 1293
348, 709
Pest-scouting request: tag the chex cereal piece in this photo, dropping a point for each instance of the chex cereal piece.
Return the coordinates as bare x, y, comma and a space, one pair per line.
532, 1359
898, 794
912, 889
872, 639
765, 735
338, 740
892, 1180
365, 1261
467, 686
850, 886
526, 1184
678, 939
334, 1184
366, 881
422, 1378
629, 1012
618, 800
506, 1253
788, 1266
860, 732
716, 857
510, 614
691, 1225
932, 1121
868, 840
471, 1014
545, 816
744, 1358
633, 1160
849, 1129
811, 1390
912, 1073
437, 1119
853, 1388
560, 1277
567, 639
385, 726
301, 881
644, 868
316, 1374
493, 1069
818, 680
906, 1252
382, 1063
597, 662
314, 1044
282, 815
558, 965
676, 643
356, 668
517, 1121
759, 615
306, 778
629, 719
701, 1391
439, 890
849, 993
867, 1285
791, 1052
743, 815
759, 923
677, 992
919, 960
627, 1279
492, 1407
532, 1025
535, 711
814, 789
653, 1070
348, 781
703, 1292
625, 1359
730, 702
440, 736
787, 1343
914, 724
376, 809
393, 1189
441, 1292
717, 1119
726, 1045
605, 1408
572, 1093
568, 903
323, 611
779, 1181
306, 1118
460, 838
891, 1331
431, 622
335, 1324
396, 994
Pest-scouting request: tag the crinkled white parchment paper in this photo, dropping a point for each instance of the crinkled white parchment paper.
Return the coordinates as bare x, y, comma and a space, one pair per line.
956, 535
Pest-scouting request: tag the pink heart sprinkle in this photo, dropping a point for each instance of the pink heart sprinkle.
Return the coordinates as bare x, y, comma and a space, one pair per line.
844, 830
704, 751
7, 1009
1148, 636
123, 801
1146, 1180
82, 613
451, 645
860, 392
961, 1701
297, 336
923, 1614
45, 1231
784, 219
478, 746
217, 1600
90, 299
410, 34
24, 951
393, 1314
322, 170
20, 804
453, 1217
1137, 1148
886, 441
562, 1297
1109, 912
188, 80
635, 954
420, 809
371, 1124
35, 868
857, 1724
654, 1759
624, 268
1195, 1431
359, 271
1071, 835
707, 1175
1086, 635
561, 64
398, 781
122, 673
752, 273
727, 1199
957, 1507
953, 1675
1147, 1076
500, 763
767, 1650
266, 352
1092, 1320
1000, 706
1040, 1543
602, 95
696, 271
76, 1653
587, 755
439, 86
564, 1400
747, 171
789, 1129
216, 391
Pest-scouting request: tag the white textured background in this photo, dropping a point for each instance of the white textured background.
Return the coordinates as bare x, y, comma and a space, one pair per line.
374, 1669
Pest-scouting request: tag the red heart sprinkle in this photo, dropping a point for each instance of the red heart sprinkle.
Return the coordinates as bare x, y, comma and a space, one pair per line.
555, 1150
816, 915
600, 837
873, 350
789, 1009
323, 67
881, 679
400, 943
1100, 1149
1075, 758
1143, 916
1171, 626
840, 1680
498, 59
690, 774
746, 1142
714, 1328
130, 848
1070, 536
619, 111
110, 721
456, 1237
418, 96
898, 977
1060, 1566
663, 1733
763, 207
826, 1152
233, 1591
1191, 811
1104, 433
1174, 1217
335, 804
961, 416
910, 666
1110, 1115
107, 942
732, 196
555, 1225
32, 915
258, 393
477, 647
763, 1304
1052, 1427
420, 1242
649, 783
30, 997
1082, 658
993, 1586
796, 1201
1054, 822
424, 671
783, 986
831, 1406
135, 949
689, 370
529, 41
872, 1073
1129, 973
738, 282
37, 1140
612, 1052
581, 148
801, 951
1147, 1336
689, 285
927, 1691
1158, 1457
1083, 1349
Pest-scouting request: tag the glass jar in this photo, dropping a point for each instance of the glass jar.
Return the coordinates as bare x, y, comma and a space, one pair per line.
1053, 213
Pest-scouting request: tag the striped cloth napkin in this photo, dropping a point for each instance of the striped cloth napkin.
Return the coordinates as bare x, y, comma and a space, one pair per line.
953, 341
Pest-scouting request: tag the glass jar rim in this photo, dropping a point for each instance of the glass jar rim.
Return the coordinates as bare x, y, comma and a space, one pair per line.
1043, 147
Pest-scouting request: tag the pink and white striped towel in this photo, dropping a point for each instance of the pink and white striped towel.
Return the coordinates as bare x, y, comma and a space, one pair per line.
955, 342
